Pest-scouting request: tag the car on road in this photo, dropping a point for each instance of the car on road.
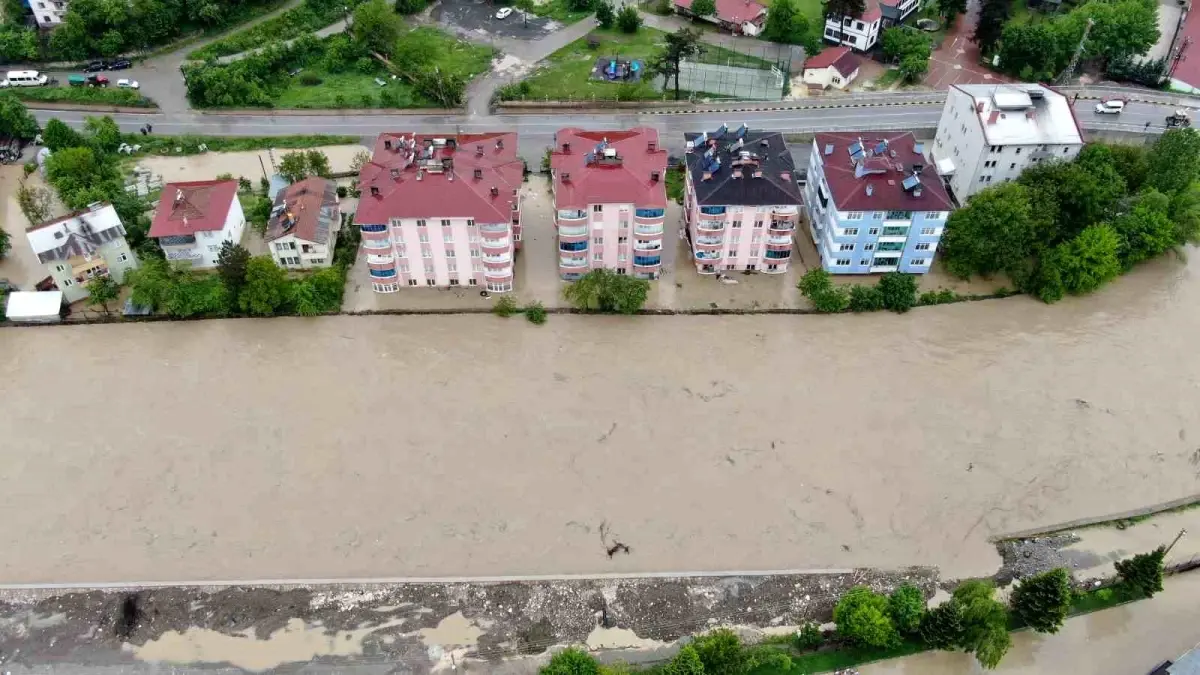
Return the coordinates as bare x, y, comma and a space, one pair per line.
504, 12
125, 83
120, 64
95, 67
1110, 106
97, 80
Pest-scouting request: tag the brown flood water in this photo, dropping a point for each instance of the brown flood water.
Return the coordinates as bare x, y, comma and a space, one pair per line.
445, 446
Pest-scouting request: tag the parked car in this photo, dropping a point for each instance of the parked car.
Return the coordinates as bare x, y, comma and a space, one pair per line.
1110, 106
1179, 119
120, 64
504, 12
95, 67
97, 80
77, 80
125, 83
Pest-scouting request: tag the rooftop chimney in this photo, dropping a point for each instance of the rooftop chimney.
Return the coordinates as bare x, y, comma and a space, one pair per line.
495, 191
566, 176
651, 146
395, 174
499, 143
374, 191
870, 189
654, 176
566, 147
387, 144
479, 150
478, 173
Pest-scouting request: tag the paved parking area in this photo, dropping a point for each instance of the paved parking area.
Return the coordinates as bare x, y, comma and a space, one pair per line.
957, 60
478, 18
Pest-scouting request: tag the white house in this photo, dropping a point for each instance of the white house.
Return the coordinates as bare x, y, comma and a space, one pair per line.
746, 17
194, 218
48, 13
862, 32
990, 133
81, 246
834, 67
304, 223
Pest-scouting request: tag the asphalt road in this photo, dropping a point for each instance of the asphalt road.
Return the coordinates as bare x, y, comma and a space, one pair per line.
537, 130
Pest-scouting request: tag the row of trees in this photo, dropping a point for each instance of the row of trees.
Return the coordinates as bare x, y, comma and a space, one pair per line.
972, 620
628, 19
786, 23
894, 291
1071, 227
412, 56
910, 48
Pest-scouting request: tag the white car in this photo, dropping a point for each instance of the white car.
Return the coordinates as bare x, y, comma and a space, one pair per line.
125, 83
504, 12
1112, 106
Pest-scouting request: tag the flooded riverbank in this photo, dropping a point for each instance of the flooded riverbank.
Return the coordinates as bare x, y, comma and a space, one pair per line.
442, 446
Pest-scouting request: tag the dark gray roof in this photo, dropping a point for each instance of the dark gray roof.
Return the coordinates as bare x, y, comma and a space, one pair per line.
82, 240
768, 154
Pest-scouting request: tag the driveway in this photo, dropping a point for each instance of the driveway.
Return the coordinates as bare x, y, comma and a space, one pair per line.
957, 60
476, 19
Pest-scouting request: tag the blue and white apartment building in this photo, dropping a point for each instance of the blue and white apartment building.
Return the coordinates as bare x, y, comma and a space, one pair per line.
874, 203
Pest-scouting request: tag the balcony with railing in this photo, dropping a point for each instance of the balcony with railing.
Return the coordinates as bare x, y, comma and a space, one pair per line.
649, 215
573, 263
570, 215
785, 240
497, 258
647, 229
498, 273
772, 254
494, 227
389, 273
710, 225
648, 246
494, 244
573, 230
782, 225
647, 261
708, 255
709, 243
573, 246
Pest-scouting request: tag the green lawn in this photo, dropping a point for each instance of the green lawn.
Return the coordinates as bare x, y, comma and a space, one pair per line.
97, 95
157, 144
295, 22
558, 10
566, 74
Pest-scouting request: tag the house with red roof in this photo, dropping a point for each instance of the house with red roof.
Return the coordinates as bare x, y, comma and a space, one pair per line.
834, 67
736, 16
303, 227
610, 201
441, 211
862, 32
874, 202
194, 218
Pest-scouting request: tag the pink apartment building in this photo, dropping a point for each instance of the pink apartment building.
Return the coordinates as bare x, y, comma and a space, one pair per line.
741, 201
441, 211
610, 201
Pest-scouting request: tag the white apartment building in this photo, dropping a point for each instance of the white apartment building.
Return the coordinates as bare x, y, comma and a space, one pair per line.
441, 211
194, 218
82, 246
989, 133
48, 13
863, 31
610, 201
741, 202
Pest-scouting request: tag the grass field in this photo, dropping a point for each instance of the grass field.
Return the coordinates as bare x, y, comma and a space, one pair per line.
553, 9
293, 23
566, 74
97, 95
156, 144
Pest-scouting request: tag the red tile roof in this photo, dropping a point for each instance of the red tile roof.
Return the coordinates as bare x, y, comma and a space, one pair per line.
849, 191
309, 210
840, 58
1187, 68
624, 179
732, 11
417, 178
196, 206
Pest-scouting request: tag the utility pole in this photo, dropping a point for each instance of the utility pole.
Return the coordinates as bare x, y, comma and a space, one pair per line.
1177, 538
1065, 76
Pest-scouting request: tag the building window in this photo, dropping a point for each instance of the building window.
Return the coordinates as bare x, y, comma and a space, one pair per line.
919, 262
836, 80
471, 282
597, 257
868, 247
622, 240
470, 222
123, 257
448, 235
922, 247
733, 253
1018, 151
423, 237
425, 252
854, 215
412, 282
213, 249
68, 282
402, 266
928, 231
841, 262
474, 253
1012, 166
420, 223
846, 247
933, 215
874, 231
449, 253
597, 208
622, 257
899, 215
59, 268
430, 282
454, 282
445, 223
736, 224
599, 240
851, 232
864, 261
758, 224
735, 239
1065, 150
452, 265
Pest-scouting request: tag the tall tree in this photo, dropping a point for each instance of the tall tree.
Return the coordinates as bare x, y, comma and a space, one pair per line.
103, 132
1143, 573
267, 288
862, 618
35, 203
984, 622
232, 264
1146, 229
1174, 161
704, 7
994, 230
376, 26
603, 290
101, 291
15, 118
1087, 261
605, 16
993, 15
950, 9
300, 164
680, 45
1042, 600
1032, 51
58, 135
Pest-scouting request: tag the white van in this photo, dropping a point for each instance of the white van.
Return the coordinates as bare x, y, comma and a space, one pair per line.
24, 78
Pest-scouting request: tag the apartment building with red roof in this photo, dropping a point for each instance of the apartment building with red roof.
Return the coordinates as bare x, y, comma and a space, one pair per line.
194, 218
610, 201
303, 227
441, 210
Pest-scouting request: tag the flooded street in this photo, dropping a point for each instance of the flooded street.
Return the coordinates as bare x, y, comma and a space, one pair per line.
471, 445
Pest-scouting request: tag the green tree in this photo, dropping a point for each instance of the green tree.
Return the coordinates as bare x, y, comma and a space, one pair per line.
300, 164
571, 661
721, 652
304, 299
913, 67
942, 626
376, 27
1174, 161
809, 637
704, 7
267, 288
194, 294
5, 243
1042, 600
328, 285
35, 203
950, 9
899, 42
1121, 29
984, 621
686, 662
865, 298
861, 615
1146, 230
899, 291
906, 608
101, 291
505, 307
232, 265
817, 286
993, 15
103, 133
1129, 161
603, 290
1033, 50
1088, 261
15, 118
410, 6
605, 16
1085, 194
150, 283
994, 229
680, 45
1185, 213
57, 136
1143, 573
628, 19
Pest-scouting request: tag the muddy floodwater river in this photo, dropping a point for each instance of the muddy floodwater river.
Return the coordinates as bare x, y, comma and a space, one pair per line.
472, 445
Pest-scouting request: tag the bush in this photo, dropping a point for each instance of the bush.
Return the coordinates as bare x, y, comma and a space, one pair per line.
862, 618
603, 290
809, 637
1143, 573
604, 14
310, 79
942, 626
865, 299
535, 312
906, 607
721, 652
628, 19
506, 306
342, 192
899, 291
941, 296
572, 661
686, 662
1043, 600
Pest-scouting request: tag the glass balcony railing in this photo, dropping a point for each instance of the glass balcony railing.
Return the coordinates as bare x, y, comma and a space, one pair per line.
572, 230
573, 262
497, 258
494, 227
648, 229
572, 215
